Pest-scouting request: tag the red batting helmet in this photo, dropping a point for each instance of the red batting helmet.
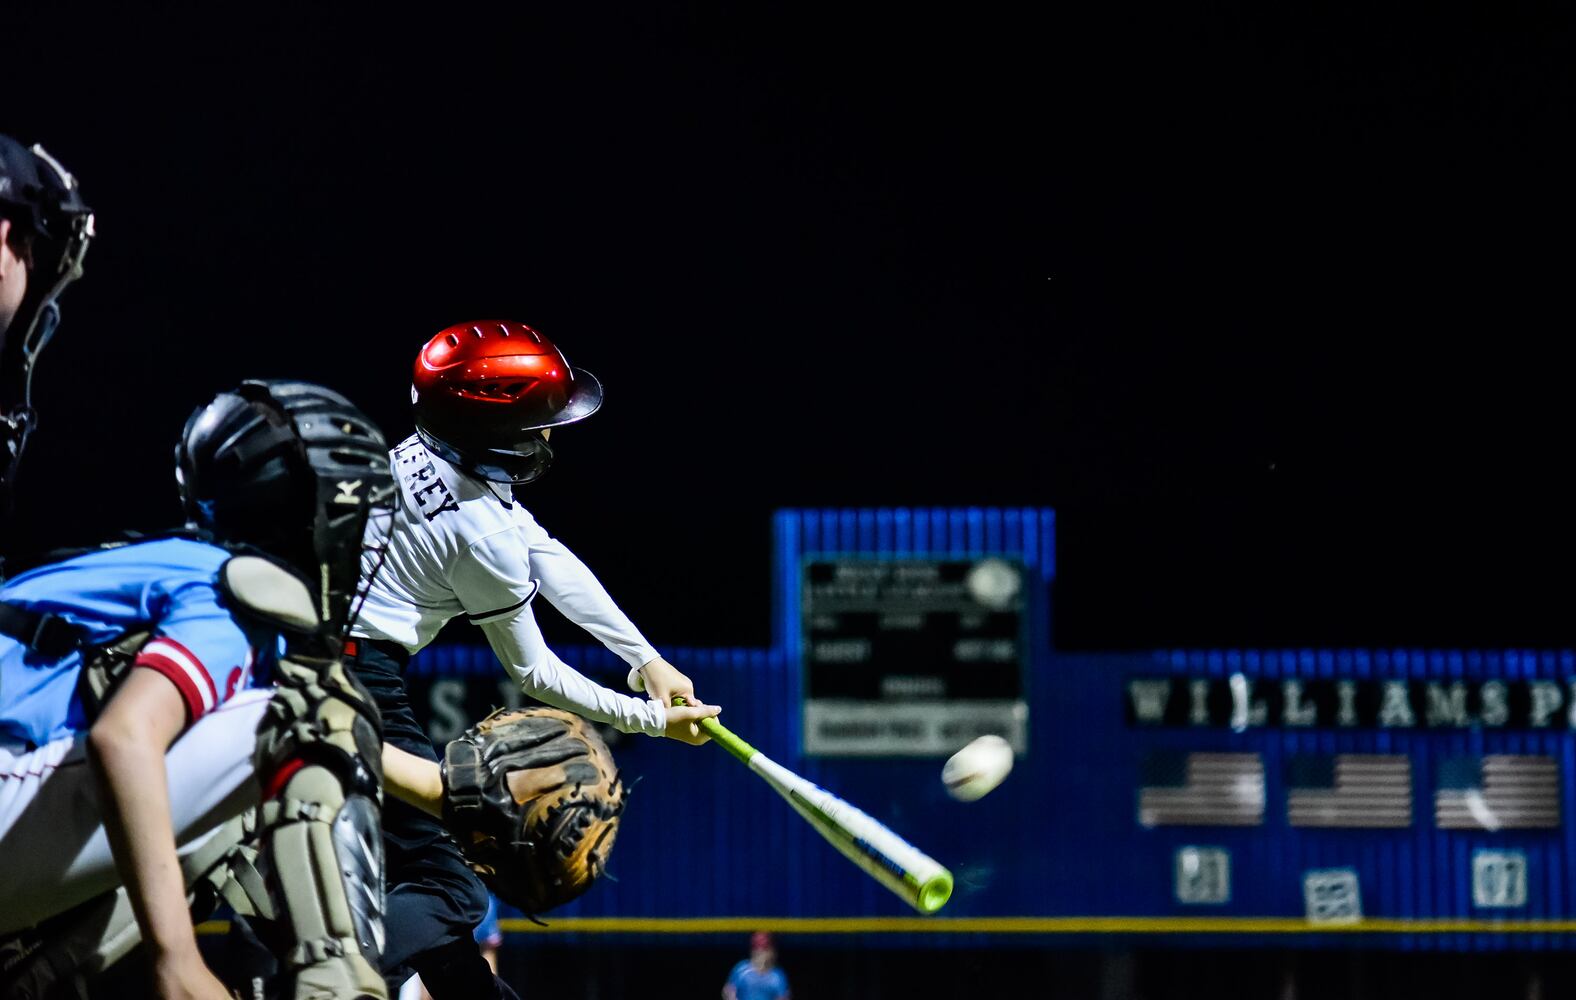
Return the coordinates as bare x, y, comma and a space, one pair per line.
483, 393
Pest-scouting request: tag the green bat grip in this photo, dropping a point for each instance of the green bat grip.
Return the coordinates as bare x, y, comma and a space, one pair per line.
723, 735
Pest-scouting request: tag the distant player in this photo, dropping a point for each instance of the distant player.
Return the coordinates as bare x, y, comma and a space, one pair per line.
757, 977
129, 722
458, 542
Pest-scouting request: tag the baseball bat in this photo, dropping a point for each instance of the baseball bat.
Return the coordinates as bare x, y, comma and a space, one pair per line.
920, 880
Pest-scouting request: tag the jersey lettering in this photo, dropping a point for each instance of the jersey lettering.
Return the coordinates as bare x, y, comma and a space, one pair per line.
430, 511
415, 468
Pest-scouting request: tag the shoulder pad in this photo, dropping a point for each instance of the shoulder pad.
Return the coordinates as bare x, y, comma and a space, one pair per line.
265, 590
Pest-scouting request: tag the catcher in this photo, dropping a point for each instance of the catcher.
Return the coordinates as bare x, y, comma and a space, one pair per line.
115, 658
132, 739
459, 542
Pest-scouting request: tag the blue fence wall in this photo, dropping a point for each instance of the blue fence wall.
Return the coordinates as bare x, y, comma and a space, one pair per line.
1057, 850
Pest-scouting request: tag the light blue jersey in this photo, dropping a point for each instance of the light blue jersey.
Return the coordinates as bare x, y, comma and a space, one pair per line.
749, 983
169, 587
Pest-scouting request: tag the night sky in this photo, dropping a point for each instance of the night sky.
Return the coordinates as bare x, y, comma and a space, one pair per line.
1271, 307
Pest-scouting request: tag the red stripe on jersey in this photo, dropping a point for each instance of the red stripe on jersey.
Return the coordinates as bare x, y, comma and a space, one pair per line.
202, 668
178, 676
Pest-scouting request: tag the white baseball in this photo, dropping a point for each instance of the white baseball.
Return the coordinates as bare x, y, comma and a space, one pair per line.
979, 767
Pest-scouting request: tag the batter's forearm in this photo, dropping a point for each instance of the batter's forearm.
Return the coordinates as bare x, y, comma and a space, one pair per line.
554, 682
412, 780
543, 676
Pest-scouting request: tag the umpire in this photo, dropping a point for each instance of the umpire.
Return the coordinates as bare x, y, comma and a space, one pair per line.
45, 229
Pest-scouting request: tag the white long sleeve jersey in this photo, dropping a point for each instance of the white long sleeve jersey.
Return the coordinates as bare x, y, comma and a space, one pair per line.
460, 546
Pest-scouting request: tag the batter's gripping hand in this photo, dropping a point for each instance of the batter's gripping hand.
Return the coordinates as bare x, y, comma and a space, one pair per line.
663, 682
534, 799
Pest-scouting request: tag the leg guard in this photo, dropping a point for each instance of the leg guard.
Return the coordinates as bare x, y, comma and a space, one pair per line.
320, 763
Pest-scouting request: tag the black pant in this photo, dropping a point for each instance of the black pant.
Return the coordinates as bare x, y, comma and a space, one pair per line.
435, 901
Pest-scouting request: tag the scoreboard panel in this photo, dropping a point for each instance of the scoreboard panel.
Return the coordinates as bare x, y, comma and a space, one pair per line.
912, 657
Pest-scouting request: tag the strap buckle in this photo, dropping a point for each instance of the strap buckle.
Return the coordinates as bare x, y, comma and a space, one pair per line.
462, 776
54, 636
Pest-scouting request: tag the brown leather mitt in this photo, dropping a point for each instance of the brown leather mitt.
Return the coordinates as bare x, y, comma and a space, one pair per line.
533, 797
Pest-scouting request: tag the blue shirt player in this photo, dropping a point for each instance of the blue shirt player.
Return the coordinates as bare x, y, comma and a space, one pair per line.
757, 977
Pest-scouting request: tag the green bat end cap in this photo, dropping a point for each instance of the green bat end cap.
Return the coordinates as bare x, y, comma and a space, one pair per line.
933, 895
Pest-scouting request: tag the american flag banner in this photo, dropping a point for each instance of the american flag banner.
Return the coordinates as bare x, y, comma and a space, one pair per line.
1201, 789
1349, 790
1497, 792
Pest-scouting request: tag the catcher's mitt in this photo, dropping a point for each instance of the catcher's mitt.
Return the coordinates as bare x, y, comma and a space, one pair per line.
533, 797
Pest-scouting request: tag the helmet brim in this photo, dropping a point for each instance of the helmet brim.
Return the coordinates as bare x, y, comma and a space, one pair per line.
585, 400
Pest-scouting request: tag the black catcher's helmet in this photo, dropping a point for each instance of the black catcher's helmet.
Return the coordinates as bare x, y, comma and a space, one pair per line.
293, 469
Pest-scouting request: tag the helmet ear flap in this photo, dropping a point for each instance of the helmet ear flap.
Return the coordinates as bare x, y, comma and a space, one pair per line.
536, 464
522, 464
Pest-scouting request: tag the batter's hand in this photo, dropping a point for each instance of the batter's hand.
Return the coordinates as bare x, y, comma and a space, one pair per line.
663, 682
682, 721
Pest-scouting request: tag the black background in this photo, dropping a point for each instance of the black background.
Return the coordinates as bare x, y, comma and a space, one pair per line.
1271, 305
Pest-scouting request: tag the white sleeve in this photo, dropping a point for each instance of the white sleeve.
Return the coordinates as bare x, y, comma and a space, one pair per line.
518, 643
575, 591
492, 580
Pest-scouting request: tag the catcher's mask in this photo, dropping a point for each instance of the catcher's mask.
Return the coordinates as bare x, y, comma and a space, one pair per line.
41, 199
293, 469
483, 392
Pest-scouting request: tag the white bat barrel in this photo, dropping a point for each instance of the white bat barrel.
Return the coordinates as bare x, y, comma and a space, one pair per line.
900, 866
